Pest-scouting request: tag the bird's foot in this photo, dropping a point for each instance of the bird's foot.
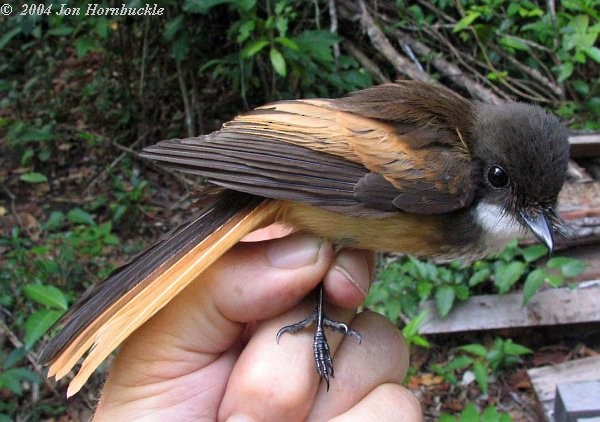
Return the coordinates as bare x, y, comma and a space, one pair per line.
322, 353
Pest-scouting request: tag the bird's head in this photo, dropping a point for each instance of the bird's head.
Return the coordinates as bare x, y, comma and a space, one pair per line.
523, 153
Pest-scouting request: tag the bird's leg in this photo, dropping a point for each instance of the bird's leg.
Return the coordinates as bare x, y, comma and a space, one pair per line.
323, 359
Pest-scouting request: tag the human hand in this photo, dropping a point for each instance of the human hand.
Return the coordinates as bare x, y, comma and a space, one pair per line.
211, 354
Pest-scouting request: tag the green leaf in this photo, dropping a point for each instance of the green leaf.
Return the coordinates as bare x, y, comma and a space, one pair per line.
565, 71
444, 299
413, 326
534, 252
12, 378
46, 295
286, 42
55, 220
38, 324
424, 288
459, 363
490, 414
466, 21
515, 349
14, 357
180, 48
253, 48
84, 45
79, 216
61, 31
33, 177
102, 27
569, 267
10, 381
5, 39
447, 418
203, 6
481, 376
508, 274
479, 276
476, 349
514, 43
469, 414
245, 30
593, 53
278, 62
532, 285
172, 27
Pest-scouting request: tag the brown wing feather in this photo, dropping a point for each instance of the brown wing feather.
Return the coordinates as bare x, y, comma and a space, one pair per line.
134, 293
361, 154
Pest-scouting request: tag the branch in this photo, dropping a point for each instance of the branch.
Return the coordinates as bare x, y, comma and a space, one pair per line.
189, 118
383, 45
449, 70
365, 62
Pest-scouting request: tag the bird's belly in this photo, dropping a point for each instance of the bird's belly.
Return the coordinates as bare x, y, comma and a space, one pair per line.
407, 233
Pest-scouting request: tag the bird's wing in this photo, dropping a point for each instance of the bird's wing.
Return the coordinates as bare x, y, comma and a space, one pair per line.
325, 153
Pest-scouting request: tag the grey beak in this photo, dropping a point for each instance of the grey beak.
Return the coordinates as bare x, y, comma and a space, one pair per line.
538, 222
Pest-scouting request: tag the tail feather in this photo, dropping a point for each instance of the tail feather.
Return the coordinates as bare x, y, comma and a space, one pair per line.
135, 292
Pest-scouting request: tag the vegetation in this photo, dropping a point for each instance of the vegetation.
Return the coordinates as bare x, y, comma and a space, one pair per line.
79, 94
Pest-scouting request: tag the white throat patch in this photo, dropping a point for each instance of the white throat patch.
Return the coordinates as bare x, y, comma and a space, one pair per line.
497, 225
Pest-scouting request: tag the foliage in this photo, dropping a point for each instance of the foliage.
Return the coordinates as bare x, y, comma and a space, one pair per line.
402, 286
39, 278
471, 414
481, 361
554, 49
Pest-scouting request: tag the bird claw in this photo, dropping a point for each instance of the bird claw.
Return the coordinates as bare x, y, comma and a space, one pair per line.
322, 352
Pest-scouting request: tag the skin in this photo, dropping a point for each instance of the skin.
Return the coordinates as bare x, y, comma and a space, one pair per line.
211, 353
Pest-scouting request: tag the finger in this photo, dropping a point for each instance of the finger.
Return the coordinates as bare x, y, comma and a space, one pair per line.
348, 280
382, 357
278, 381
386, 402
252, 281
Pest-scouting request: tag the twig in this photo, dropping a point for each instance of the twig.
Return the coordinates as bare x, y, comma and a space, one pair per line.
408, 51
13, 210
333, 28
136, 155
189, 118
382, 44
450, 70
196, 105
144, 58
107, 169
365, 62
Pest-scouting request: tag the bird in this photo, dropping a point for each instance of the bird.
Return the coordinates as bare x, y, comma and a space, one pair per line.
406, 166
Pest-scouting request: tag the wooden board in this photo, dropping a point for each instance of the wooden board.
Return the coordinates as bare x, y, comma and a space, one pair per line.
575, 401
546, 378
549, 307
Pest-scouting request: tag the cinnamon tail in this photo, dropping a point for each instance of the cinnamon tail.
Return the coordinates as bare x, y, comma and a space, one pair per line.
132, 294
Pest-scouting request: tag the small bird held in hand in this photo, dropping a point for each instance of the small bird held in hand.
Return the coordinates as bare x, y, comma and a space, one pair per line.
405, 166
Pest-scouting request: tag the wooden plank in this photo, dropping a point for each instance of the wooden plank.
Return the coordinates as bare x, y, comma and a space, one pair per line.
585, 145
577, 400
546, 378
548, 307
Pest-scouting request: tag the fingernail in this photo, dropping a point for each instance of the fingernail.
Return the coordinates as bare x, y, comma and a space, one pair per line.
358, 275
239, 418
294, 251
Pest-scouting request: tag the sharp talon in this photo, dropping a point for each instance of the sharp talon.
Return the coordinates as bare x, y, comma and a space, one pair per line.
322, 353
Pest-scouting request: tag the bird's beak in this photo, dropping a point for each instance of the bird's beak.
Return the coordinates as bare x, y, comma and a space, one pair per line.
538, 222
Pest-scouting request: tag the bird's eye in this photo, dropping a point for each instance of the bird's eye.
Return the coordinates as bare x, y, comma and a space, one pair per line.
497, 177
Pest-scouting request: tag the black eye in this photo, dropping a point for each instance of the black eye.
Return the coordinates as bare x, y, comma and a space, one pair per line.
497, 177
